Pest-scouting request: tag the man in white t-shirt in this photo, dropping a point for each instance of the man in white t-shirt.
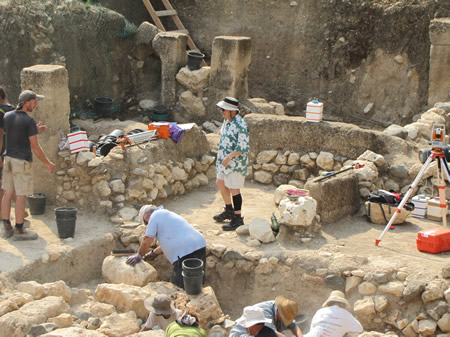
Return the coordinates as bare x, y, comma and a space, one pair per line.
178, 240
334, 319
162, 312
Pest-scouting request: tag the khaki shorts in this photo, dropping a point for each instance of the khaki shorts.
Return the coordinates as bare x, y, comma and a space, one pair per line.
17, 176
233, 180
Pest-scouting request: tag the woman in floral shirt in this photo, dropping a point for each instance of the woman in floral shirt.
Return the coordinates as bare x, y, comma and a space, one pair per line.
232, 162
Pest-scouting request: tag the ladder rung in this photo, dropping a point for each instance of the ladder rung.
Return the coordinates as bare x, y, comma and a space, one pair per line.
185, 31
168, 12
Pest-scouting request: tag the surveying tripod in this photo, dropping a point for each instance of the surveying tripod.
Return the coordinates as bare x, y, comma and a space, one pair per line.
437, 144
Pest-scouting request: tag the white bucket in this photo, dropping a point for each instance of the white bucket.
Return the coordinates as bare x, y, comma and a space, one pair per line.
420, 206
314, 110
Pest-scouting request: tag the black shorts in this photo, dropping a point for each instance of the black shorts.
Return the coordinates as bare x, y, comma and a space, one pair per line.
176, 277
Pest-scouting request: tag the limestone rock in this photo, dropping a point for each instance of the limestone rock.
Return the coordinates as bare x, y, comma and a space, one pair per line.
433, 291
74, 332
19, 322
84, 156
263, 177
298, 213
364, 307
58, 288
62, 321
351, 283
194, 80
128, 213
207, 307
102, 189
261, 230
396, 131
444, 323
266, 156
31, 287
280, 192
325, 161
373, 157
393, 288
427, 327
192, 104
243, 230
115, 270
123, 297
118, 325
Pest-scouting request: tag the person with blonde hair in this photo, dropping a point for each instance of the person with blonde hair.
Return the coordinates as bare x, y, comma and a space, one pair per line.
334, 318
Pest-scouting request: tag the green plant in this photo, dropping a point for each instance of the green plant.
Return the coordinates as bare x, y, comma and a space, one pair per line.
128, 30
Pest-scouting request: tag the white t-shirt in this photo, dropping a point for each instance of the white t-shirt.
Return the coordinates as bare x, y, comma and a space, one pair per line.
159, 321
333, 322
176, 236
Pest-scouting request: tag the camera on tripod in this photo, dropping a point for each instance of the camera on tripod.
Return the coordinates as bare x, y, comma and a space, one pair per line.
437, 144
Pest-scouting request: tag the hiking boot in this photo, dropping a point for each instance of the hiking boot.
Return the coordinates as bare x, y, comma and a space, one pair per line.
24, 235
227, 214
235, 222
8, 231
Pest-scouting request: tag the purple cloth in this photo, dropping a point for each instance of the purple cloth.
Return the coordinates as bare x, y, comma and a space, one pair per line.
176, 133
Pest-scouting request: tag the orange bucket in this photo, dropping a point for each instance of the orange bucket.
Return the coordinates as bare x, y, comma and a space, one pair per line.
162, 128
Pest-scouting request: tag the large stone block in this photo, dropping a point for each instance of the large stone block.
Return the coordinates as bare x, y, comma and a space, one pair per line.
115, 270
336, 197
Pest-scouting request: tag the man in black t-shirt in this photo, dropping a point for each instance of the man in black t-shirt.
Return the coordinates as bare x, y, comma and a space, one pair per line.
21, 138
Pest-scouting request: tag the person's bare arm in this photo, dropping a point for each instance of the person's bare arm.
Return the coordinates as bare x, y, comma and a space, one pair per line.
37, 149
297, 331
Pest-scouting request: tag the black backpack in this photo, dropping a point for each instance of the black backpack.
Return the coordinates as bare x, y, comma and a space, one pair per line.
384, 197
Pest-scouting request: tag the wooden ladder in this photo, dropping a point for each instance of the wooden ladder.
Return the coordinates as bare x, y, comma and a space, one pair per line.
169, 11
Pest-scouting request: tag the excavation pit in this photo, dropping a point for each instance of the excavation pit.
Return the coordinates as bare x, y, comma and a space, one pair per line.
241, 275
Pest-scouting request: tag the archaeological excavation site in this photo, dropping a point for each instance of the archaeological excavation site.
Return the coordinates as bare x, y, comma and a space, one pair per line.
347, 107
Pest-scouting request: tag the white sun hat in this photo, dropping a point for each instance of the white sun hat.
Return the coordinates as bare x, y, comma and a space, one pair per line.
229, 103
252, 315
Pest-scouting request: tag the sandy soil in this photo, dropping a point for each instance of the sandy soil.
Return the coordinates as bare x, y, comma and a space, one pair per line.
351, 235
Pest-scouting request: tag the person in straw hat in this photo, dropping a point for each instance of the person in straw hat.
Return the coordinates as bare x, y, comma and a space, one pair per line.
281, 315
334, 318
162, 312
253, 321
232, 163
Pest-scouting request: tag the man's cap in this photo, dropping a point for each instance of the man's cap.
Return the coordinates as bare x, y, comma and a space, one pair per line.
229, 103
339, 297
252, 315
287, 308
160, 305
147, 209
28, 95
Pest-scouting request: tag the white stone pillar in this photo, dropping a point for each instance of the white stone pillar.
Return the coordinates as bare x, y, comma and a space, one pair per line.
439, 79
171, 48
52, 81
231, 56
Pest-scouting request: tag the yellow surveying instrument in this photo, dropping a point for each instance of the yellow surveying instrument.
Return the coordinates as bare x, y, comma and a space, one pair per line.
437, 144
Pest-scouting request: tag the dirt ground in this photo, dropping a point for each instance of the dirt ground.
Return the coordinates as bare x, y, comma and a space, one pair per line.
350, 236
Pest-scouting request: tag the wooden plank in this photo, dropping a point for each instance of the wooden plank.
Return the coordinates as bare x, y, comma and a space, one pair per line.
155, 17
185, 31
168, 12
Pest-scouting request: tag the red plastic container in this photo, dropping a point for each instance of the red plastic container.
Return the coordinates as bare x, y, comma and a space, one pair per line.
436, 240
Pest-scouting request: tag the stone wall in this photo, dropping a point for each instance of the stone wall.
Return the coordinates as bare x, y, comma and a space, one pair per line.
137, 175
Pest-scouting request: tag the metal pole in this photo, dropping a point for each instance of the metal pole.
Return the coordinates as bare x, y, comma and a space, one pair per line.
405, 198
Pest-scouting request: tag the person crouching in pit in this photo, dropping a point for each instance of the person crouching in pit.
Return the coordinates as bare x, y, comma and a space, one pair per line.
178, 240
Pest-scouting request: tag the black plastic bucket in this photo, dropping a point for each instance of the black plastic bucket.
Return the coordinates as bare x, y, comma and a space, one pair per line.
193, 284
160, 113
195, 59
66, 218
192, 267
103, 106
36, 203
